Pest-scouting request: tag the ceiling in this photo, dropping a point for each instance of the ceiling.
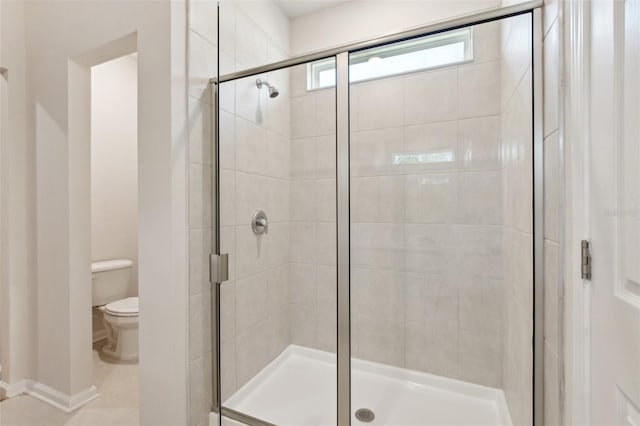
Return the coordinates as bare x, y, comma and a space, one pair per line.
295, 8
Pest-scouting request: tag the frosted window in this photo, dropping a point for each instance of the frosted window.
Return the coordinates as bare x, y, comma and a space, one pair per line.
399, 58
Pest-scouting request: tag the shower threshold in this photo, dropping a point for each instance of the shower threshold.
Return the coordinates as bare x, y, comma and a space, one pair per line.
298, 388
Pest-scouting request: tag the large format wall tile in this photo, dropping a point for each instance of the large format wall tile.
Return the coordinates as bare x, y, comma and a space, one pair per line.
199, 324
202, 66
430, 97
480, 357
377, 104
199, 132
430, 198
478, 89
480, 143
517, 204
432, 350
199, 196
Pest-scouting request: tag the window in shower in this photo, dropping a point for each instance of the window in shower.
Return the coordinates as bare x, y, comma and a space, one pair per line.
420, 54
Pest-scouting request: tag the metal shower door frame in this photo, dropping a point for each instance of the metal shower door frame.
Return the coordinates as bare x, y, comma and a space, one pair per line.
341, 54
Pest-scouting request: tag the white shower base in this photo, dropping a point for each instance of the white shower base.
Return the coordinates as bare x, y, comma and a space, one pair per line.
299, 389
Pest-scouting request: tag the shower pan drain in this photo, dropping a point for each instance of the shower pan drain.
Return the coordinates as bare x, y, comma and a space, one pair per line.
365, 415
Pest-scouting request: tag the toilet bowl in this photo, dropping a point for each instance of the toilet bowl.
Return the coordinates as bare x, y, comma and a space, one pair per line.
120, 319
119, 313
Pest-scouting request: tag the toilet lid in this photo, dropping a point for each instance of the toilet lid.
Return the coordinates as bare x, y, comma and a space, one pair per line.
128, 306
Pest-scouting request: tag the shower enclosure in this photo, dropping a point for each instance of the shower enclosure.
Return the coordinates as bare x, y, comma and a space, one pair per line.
376, 214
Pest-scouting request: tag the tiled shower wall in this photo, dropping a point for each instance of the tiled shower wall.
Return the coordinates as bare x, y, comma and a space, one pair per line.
426, 238
552, 211
518, 349
255, 162
426, 246
312, 295
517, 232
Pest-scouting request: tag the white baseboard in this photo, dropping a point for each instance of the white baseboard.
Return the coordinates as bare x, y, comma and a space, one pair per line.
64, 402
14, 389
44, 393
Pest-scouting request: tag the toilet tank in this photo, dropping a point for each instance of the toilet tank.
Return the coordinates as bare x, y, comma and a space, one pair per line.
110, 280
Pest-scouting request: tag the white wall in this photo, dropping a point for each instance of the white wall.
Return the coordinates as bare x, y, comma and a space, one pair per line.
114, 162
17, 214
62, 41
361, 20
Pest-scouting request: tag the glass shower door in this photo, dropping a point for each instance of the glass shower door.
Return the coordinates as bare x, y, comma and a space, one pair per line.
441, 228
381, 263
278, 224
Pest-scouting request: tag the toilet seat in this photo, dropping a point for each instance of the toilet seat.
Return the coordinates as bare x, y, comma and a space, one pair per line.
123, 308
110, 265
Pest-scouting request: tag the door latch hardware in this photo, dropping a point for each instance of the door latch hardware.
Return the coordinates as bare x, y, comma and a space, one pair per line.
218, 268
586, 260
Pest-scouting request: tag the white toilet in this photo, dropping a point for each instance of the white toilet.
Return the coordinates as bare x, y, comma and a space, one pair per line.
110, 282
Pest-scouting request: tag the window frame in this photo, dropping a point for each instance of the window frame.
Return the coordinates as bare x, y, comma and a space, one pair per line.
464, 35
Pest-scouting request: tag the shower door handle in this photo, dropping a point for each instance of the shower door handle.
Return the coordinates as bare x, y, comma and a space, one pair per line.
218, 268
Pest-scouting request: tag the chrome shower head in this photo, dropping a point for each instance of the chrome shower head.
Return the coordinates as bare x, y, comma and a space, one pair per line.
273, 92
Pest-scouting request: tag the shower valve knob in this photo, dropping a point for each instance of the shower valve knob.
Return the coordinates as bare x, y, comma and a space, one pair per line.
259, 222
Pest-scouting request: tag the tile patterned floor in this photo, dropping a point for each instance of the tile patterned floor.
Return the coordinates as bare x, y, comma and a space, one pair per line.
117, 404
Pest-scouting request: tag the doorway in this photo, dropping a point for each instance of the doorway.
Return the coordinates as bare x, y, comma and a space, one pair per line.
114, 227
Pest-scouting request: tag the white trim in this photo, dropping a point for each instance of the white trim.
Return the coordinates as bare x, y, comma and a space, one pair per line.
14, 389
561, 214
66, 403
44, 393
421, 44
537, 68
576, 220
622, 281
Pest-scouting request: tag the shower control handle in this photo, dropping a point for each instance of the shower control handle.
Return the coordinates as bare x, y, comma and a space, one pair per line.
260, 222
